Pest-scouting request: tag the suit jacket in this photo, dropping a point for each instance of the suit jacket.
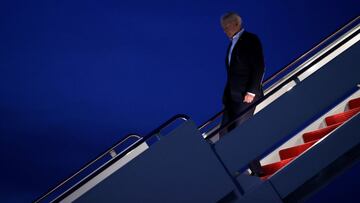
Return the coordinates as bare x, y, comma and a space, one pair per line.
245, 70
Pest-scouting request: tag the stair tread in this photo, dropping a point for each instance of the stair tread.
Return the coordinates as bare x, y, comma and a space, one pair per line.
354, 103
341, 117
320, 133
270, 169
265, 177
296, 150
310, 138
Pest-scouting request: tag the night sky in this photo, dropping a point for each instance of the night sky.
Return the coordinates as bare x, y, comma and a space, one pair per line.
76, 76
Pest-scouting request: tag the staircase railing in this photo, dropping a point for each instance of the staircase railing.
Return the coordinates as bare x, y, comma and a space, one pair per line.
115, 156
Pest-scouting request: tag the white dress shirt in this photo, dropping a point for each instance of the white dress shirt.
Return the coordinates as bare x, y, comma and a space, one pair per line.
234, 40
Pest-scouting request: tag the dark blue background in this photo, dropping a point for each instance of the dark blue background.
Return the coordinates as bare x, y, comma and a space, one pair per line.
75, 76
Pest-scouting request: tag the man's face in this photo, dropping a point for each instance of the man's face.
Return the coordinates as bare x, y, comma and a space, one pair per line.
230, 28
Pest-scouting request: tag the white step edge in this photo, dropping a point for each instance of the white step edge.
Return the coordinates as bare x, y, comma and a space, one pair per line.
319, 123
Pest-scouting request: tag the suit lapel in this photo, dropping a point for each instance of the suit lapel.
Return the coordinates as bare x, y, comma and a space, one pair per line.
236, 47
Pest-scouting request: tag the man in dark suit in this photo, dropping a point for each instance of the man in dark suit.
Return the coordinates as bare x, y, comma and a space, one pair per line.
245, 70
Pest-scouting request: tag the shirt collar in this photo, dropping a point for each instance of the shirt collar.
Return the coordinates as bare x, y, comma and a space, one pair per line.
237, 35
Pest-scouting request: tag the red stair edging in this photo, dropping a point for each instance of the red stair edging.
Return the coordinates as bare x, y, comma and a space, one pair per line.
354, 103
341, 117
295, 151
320, 133
270, 169
310, 138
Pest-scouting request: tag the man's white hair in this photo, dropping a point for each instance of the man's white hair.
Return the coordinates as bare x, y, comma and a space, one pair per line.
231, 17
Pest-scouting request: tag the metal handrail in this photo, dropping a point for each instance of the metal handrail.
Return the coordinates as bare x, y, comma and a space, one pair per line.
211, 120
139, 141
167, 123
125, 152
277, 88
286, 68
87, 165
112, 151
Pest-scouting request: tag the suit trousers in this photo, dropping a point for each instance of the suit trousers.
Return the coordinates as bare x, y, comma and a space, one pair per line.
232, 111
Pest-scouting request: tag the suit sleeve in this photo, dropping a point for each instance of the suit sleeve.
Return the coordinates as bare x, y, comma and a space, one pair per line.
258, 66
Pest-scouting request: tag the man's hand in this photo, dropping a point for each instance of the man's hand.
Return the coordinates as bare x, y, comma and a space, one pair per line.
249, 98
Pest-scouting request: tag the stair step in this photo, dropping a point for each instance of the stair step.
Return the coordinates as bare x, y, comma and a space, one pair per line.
270, 169
295, 151
265, 177
354, 103
310, 138
341, 117
320, 133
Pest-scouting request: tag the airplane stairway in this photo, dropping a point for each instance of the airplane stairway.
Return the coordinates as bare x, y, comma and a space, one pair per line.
187, 164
